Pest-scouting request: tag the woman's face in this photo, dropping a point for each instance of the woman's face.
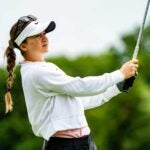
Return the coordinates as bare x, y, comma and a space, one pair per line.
37, 44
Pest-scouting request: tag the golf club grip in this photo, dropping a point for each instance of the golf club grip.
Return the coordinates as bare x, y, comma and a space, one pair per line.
136, 50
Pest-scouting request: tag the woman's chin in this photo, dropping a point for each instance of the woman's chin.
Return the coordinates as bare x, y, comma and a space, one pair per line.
45, 51
45, 48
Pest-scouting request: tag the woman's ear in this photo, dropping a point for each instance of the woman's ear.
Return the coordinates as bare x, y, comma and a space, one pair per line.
23, 47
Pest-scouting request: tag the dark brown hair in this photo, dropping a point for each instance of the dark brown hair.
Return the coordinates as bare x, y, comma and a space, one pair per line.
10, 54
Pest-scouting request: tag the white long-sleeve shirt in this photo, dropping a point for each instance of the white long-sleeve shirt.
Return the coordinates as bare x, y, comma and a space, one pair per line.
56, 101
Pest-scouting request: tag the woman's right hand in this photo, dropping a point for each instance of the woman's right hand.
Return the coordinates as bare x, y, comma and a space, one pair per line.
129, 69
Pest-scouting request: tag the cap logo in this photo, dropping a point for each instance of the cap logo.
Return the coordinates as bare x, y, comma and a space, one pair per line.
36, 23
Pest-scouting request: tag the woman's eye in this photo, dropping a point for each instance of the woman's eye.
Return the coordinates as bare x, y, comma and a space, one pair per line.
38, 35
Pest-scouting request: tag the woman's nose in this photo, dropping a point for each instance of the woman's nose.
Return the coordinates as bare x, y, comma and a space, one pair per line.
44, 37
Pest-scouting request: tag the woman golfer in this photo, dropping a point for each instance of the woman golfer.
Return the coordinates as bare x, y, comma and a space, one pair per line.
55, 101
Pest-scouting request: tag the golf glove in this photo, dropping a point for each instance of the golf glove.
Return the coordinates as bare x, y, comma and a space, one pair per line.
126, 84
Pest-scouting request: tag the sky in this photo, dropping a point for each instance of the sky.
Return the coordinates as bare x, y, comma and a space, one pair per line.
82, 26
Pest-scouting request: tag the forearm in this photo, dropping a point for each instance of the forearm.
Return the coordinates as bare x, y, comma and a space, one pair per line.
98, 100
88, 86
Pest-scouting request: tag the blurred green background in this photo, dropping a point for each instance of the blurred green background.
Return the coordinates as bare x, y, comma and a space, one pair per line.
121, 124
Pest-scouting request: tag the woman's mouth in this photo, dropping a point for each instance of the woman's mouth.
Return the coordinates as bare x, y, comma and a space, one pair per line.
45, 45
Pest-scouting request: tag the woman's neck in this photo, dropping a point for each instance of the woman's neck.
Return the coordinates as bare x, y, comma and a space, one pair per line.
34, 58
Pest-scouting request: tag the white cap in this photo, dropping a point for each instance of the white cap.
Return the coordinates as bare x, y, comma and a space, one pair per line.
34, 28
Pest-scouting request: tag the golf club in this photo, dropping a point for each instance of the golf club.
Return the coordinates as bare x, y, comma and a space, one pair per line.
136, 50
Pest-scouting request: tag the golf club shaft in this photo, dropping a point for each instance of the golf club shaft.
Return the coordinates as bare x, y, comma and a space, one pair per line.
136, 50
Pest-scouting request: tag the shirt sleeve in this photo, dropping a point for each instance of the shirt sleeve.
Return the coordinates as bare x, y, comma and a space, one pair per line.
98, 100
57, 81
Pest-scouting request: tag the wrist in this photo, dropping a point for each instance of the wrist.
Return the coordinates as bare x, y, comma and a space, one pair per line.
122, 74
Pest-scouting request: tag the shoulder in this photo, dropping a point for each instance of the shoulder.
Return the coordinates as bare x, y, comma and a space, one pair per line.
40, 69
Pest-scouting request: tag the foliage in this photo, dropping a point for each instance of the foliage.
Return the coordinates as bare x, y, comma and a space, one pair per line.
121, 124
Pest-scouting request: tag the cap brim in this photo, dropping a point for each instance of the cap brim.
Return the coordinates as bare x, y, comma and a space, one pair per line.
50, 27
43, 27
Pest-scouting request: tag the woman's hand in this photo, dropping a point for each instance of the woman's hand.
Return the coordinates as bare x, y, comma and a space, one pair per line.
129, 69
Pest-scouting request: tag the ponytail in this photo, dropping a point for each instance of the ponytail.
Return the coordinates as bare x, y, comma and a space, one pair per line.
16, 29
11, 58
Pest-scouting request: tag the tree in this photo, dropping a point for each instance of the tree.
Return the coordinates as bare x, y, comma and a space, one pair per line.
121, 124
